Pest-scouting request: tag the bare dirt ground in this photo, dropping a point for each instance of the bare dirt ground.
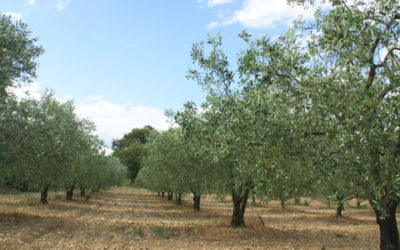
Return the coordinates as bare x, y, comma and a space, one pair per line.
123, 218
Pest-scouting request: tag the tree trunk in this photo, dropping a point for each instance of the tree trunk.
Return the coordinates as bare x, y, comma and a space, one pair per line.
178, 197
297, 200
253, 200
239, 207
132, 179
196, 202
158, 193
163, 194
70, 193
83, 191
44, 194
358, 201
340, 207
282, 202
170, 195
339, 210
388, 227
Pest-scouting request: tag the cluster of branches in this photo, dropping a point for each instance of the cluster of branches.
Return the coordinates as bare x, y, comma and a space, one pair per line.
318, 104
43, 144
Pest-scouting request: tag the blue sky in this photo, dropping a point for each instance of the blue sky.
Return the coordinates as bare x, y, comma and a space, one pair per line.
124, 61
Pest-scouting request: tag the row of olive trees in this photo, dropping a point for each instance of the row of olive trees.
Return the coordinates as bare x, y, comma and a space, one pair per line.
291, 113
175, 165
46, 146
43, 144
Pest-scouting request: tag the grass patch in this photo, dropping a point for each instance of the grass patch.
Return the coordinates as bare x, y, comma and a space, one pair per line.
139, 232
162, 232
29, 202
159, 232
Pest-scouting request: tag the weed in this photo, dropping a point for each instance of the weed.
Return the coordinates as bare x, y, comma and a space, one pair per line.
159, 231
29, 202
58, 197
139, 232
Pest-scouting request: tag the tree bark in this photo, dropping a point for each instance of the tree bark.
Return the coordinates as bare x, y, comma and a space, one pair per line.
196, 202
339, 210
162, 194
83, 191
340, 207
70, 193
253, 200
170, 195
282, 202
178, 197
239, 208
44, 194
358, 201
388, 227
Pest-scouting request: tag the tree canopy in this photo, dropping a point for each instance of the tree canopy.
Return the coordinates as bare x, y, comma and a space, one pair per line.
18, 54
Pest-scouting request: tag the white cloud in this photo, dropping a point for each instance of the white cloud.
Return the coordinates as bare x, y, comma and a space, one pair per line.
212, 25
30, 90
14, 16
62, 4
212, 3
113, 120
95, 98
31, 2
266, 13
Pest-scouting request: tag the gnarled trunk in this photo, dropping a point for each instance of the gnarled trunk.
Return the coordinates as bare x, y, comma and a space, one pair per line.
83, 191
44, 194
70, 193
196, 202
388, 227
339, 210
340, 206
239, 207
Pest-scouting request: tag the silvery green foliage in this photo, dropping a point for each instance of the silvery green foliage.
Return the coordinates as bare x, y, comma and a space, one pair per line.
18, 53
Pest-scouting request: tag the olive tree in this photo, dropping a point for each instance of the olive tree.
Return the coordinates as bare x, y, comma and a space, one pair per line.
355, 101
48, 142
228, 119
199, 172
18, 53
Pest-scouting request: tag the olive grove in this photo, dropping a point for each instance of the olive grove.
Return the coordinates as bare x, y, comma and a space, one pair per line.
317, 105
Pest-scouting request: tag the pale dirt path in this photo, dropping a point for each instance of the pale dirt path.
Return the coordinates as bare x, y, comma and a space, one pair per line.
123, 218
